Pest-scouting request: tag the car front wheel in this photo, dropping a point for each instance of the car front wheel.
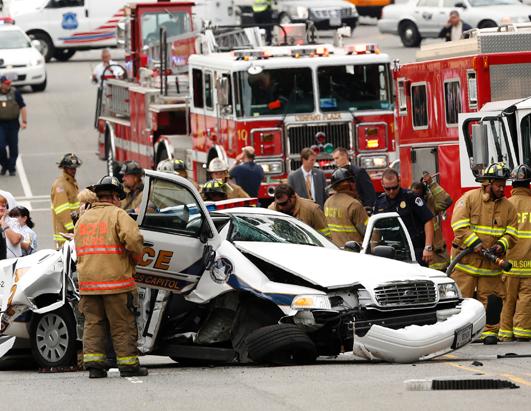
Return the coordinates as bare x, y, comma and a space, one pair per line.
53, 338
39, 87
281, 344
409, 34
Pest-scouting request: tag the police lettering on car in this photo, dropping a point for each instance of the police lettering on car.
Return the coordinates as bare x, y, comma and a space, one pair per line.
416, 215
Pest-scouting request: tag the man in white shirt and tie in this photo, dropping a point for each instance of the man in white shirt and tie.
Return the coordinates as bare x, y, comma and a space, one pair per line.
308, 181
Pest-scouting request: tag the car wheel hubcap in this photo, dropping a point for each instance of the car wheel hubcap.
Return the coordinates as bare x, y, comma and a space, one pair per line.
52, 337
409, 33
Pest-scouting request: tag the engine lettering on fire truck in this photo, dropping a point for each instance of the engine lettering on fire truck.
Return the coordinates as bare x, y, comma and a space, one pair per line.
242, 135
318, 117
162, 262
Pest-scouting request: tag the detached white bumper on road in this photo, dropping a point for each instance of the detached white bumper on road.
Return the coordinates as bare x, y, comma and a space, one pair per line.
414, 342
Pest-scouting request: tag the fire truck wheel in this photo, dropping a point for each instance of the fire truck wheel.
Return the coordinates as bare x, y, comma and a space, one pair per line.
46, 46
63, 54
486, 24
409, 34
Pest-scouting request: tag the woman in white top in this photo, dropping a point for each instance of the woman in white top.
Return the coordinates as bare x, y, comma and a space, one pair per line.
29, 237
11, 231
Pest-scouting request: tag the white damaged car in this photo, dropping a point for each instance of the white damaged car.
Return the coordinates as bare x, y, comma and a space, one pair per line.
249, 284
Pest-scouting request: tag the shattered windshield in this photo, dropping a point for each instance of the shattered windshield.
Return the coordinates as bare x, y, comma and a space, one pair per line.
272, 229
274, 92
354, 87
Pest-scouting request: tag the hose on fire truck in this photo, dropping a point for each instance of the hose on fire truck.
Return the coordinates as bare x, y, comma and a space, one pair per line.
489, 255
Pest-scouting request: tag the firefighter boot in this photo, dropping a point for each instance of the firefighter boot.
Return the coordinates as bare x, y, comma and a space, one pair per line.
133, 371
493, 311
97, 373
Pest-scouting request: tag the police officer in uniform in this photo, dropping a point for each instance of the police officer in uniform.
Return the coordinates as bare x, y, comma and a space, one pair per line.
132, 174
345, 215
64, 197
413, 211
108, 242
515, 321
11, 107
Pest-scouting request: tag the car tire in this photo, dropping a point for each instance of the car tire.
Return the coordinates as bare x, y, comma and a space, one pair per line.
53, 338
39, 87
409, 34
64, 54
281, 344
486, 24
47, 46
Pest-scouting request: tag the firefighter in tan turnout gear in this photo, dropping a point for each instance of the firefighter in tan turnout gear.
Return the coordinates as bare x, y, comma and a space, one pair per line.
219, 170
132, 174
108, 242
438, 201
345, 215
64, 198
516, 314
288, 202
484, 219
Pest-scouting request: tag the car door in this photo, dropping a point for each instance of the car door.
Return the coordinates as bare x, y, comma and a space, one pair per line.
179, 236
386, 235
425, 14
66, 20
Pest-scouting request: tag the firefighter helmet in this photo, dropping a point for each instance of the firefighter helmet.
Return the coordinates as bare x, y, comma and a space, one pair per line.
171, 166
216, 165
216, 187
70, 160
340, 175
131, 167
494, 171
111, 184
521, 174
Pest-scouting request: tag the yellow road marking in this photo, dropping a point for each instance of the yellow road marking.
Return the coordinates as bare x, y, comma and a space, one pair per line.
517, 379
463, 367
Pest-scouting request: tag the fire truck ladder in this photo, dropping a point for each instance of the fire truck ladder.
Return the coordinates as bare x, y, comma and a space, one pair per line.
227, 39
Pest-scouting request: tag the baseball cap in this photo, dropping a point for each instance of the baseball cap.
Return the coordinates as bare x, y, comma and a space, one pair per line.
5, 80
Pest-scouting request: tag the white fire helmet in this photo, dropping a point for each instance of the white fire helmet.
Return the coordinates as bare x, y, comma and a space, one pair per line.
216, 165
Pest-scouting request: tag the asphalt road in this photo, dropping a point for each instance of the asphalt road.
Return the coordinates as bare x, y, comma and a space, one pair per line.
60, 121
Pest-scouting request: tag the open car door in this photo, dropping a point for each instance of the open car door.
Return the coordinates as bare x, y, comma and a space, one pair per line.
180, 238
387, 236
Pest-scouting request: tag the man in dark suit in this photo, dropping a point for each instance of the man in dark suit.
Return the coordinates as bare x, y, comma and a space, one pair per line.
307, 181
366, 192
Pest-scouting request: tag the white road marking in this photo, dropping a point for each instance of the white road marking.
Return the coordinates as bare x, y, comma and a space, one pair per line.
23, 178
44, 197
134, 380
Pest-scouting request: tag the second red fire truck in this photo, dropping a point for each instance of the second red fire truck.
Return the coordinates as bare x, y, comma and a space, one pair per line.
460, 77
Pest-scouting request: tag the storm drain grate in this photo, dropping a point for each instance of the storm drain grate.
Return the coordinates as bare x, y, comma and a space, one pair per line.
467, 384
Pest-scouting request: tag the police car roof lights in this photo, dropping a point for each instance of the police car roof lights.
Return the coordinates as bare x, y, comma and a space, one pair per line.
363, 48
231, 203
7, 20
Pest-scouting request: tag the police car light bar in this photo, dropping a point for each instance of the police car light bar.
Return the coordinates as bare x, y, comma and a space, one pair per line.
231, 203
364, 48
7, 20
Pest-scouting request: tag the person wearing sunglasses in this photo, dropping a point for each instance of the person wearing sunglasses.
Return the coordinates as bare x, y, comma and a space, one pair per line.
288, 202
414, 213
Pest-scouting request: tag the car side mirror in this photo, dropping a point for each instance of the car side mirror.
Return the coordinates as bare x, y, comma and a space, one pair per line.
36, 44
385, 251
209, 255
204, 232
352, 246
460, 5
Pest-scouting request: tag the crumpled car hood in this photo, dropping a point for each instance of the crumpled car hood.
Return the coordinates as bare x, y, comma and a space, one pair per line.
330, 268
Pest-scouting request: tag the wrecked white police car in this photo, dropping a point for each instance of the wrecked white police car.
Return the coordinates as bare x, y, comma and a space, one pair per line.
249, 284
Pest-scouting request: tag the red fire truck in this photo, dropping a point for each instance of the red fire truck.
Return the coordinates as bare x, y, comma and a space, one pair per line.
282, 99
132, 114
452, 78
